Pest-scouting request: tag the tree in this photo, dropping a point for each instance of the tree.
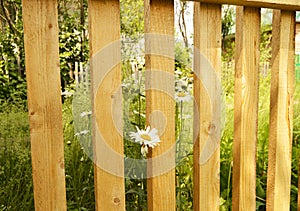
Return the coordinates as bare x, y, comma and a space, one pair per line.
73, 38
228, 22
12, 68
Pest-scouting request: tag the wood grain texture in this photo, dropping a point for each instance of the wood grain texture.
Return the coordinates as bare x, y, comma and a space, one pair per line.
160, 104
281, 111
292, 5
246, 108
207, 106
105, 54
44, 103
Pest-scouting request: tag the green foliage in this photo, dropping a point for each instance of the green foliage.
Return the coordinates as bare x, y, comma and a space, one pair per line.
295, 149
16, 189
136, 194
227, 19
79, 168
132, 18
265, 43
15, 169
183, 59
15, 175
15, 161
134, 107
73, 38
73, 45
12, 81
228, 43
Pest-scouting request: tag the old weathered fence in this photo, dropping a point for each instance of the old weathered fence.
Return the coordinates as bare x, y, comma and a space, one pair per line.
45, 110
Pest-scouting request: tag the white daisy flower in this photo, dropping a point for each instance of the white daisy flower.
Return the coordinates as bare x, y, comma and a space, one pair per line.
86, 113
183, 96
84, 132
67, 93
146, 138
178, 72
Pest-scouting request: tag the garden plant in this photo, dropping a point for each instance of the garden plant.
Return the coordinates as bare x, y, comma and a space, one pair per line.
16, 187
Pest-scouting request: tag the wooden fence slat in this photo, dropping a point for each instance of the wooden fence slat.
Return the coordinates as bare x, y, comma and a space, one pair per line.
246, 108
44, 102
160, 104
105, 53
207, 107
281, 111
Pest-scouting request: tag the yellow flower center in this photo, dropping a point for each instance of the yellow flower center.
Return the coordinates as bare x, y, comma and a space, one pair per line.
146, 137
181, 94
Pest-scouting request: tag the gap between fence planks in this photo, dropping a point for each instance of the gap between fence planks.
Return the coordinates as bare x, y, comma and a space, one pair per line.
105, 54
207, 107
160, 104
44, 103
246, 108
281, 111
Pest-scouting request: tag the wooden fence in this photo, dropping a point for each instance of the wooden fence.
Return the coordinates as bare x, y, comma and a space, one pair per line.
45, 109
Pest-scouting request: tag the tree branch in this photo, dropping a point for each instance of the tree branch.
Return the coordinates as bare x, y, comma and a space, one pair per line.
182, 24
8, 19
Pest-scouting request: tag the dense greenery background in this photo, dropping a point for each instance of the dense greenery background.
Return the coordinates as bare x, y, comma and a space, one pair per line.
16, 189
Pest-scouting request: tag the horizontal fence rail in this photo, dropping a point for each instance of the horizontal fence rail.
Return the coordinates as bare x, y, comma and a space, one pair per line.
292, 5
45, 108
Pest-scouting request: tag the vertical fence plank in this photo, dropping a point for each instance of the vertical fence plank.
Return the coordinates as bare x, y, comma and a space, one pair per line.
160, 104
246, 108
207, 107
281, 111
105, 53
44, 103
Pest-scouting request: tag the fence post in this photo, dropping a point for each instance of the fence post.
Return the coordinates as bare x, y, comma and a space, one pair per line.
160, 104
281, 111
207, 105
246, 108
44, 103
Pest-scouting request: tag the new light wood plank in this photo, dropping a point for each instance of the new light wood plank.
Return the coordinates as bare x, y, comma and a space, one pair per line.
246, 108
105, 54
44, 103
281, 111
207, 107
160, 104
274, 4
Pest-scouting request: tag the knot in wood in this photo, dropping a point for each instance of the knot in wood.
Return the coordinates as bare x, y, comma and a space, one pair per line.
211, 129
117, 201
113, 94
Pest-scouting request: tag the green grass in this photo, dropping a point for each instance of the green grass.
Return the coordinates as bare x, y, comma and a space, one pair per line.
15, 161
16, 189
